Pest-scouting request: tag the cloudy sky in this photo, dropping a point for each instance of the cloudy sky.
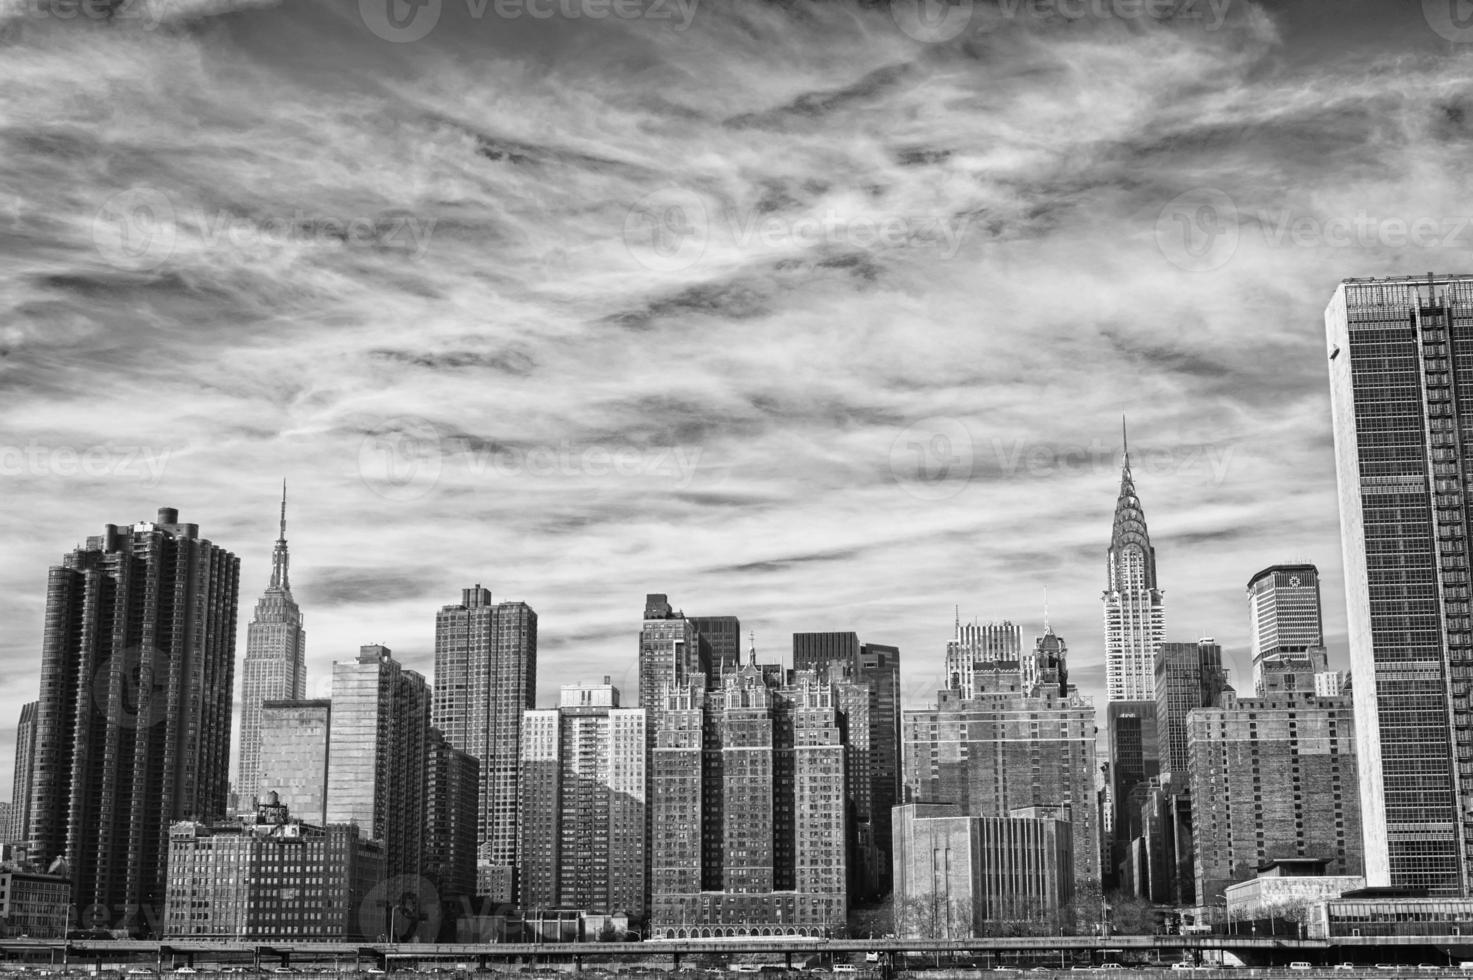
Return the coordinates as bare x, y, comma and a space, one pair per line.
819, 314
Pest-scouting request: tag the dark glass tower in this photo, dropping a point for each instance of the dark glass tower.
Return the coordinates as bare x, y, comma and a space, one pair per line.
1401, 385
133, 723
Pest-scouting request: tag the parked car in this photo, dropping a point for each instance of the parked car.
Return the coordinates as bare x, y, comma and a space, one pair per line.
1300, 965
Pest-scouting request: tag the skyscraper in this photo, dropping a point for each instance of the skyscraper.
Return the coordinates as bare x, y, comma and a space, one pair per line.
452, 812
275, 664
485, 677
1009, 746
1188, 675
25, 765
1135, 618
1284, 616
293, 763
1135, 760
584, 791
720, 638
1399, 376
980, 648
133, 721
377, 750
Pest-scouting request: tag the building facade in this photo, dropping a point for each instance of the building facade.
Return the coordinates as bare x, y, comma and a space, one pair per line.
1009, 747
1188, 676
292, 763
25, 766
981, 648
958, 876
273, 878
583, 779
1402, 402
1273, 777
485, 677
1135, 760
275, 666
747, 812
377, 748
133, 719
34, 904
1135, 617
452, 809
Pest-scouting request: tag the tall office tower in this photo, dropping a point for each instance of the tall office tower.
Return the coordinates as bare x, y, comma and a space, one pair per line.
1188, 675
1135, 617
1273, 777
879, 665
720, 639
815, 651
25, 766
747, 812
1135, 760
1007, 747
294, 752
1049, 664
133, 722
583, 784
275, 667
452, 809
485, 677
376, 755
1398, 393
1284, 616
980, 648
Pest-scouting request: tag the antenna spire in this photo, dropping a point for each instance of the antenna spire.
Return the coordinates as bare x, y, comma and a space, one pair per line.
1124, 438
279, 558
1046, 628
282, 535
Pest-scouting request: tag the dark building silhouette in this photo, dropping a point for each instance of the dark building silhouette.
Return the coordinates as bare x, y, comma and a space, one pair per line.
133, 721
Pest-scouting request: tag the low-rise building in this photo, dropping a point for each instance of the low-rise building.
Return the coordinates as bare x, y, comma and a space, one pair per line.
272, 878
1285, 888
1388, 912
33, 903
958, 876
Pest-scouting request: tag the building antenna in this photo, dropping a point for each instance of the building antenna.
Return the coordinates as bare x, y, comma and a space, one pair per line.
1045, 609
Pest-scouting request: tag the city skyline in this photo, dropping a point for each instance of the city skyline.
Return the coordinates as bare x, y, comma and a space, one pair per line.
779, 430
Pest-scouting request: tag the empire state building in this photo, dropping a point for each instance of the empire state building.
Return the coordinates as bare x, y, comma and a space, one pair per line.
1135, 620
275, 664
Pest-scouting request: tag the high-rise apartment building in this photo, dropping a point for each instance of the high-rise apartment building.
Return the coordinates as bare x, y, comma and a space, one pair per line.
293, 758
981, 648
25, 766
275, 664
1009, 746
747, 810
1135, 617
1402, 406
133, 720
583, 783
377, 748
1272, 777
815, 651
1188, 675
1283, 616
485, 677
669, 655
